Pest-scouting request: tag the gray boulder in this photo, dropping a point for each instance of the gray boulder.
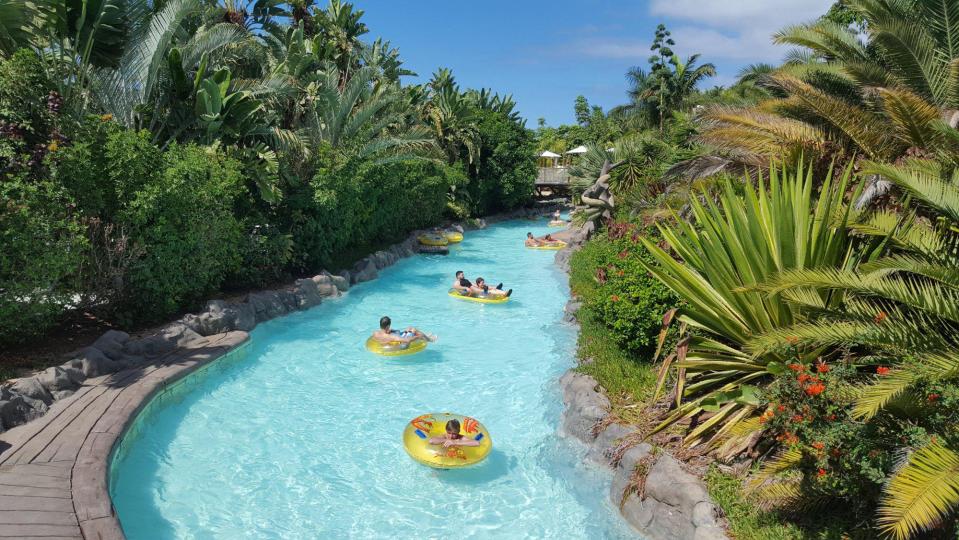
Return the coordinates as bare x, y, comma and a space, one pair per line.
56, 379
345, 275
601, 450
562, 259
383, 259
17, 409
364, 270
92, 362
221, 316
569, 311
624, 470
325, 286
31, 388
676, 503
111, 343
267, 305
171, 336
306, 294
669, 483
342, 283
585, 406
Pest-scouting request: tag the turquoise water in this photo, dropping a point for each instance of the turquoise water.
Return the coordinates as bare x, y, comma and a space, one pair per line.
302, 438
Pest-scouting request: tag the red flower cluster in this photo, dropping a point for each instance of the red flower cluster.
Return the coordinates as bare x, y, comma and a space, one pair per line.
601, 275
932, 398
822, 367
818, 445
882, 370
821, 472
881, 316
815, 389
788, 438
614, 298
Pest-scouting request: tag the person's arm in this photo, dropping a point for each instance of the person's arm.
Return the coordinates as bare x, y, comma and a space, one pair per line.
436, 440
460, 442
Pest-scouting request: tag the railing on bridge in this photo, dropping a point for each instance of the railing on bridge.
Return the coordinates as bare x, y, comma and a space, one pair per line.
552, 181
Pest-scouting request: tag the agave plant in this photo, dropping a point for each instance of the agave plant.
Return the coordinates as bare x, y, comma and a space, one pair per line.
901, 310
715, 263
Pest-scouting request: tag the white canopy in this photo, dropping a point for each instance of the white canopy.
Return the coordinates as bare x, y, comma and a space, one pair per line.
548, 154
578, 150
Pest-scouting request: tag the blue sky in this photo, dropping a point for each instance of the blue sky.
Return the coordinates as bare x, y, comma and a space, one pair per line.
547, 52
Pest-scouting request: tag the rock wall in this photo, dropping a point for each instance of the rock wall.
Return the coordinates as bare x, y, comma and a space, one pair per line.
675, 504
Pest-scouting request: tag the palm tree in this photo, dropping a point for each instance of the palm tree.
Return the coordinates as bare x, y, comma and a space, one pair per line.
340, 26
450, 116
839, 96
685, 77
657, 94
360, 121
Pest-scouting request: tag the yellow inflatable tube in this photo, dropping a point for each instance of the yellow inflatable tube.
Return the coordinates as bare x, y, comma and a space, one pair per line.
421, 429
432, 239
395, 348
453, 237
485, 299
557, 244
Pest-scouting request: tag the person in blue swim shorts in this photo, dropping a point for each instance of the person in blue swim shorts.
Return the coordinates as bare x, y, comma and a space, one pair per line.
386, 334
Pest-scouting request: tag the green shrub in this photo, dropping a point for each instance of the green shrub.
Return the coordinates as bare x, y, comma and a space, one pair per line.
507, 169
41, 245
609, 277
105, 165
28, 110
265, 253
367, 205
183, 219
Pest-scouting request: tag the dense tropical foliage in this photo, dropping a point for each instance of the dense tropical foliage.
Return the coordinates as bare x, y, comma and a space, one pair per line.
812, 253
152, 153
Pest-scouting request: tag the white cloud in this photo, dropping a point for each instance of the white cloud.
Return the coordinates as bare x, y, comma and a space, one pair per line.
741, 14
737, 30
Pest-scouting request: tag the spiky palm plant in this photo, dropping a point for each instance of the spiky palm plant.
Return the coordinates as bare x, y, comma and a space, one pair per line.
451, 119
902, 311
715, 262
361, 122
840, 96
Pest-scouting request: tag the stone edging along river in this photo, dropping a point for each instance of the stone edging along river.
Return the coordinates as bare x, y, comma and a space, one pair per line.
675, 503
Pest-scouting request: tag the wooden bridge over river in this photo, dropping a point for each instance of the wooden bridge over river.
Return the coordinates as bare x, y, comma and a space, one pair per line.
552, 182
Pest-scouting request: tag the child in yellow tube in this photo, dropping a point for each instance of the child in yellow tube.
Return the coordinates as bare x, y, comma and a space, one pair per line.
453, 437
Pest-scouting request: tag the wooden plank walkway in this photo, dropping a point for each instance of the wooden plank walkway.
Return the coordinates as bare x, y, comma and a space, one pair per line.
53, 471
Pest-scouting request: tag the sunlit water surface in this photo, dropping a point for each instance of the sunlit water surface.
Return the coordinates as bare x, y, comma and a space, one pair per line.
301, 439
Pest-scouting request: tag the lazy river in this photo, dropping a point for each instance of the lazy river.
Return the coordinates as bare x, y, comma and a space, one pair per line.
301, 438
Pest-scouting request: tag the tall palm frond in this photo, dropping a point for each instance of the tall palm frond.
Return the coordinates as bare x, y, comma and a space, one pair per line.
920, 494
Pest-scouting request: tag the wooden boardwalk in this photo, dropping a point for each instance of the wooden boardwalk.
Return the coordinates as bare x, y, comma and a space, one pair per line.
53, 471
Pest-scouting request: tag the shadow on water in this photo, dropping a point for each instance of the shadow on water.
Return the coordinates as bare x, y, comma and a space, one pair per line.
495, 466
